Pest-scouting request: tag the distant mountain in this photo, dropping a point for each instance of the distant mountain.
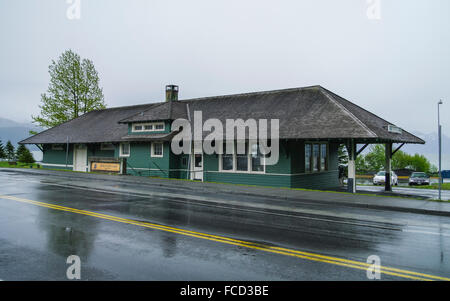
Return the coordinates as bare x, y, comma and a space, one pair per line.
16, 131
431, 146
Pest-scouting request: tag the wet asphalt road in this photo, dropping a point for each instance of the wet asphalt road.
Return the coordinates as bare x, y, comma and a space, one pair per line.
35, 241
410, 191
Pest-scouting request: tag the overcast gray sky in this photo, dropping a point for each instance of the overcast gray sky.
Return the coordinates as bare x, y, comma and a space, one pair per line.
397, 67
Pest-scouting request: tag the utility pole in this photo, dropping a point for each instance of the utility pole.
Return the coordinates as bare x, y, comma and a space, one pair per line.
440, 150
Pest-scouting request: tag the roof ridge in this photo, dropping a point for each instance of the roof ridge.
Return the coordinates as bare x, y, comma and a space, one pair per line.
343, 108
125, 107
251, 93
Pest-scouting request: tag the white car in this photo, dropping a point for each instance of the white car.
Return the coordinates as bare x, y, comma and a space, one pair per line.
380, 178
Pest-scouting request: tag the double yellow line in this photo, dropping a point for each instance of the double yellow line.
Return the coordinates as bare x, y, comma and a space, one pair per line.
256, 246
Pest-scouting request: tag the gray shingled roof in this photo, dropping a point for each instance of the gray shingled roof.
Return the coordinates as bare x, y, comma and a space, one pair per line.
170, 110
96, 126
304, 113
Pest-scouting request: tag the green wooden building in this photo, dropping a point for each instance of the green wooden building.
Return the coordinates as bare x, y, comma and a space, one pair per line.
136, 140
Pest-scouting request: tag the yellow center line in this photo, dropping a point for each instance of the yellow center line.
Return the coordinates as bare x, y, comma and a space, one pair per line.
222, 239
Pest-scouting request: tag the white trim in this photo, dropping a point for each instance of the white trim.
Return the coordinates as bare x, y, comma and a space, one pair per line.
268, 174
120, 150
56, 165
153, 124
152, 150
249, 161
278, 174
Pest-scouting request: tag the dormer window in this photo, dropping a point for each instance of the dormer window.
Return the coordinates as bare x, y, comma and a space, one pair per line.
148, 127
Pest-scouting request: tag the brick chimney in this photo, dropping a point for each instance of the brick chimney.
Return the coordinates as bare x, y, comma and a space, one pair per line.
171, 93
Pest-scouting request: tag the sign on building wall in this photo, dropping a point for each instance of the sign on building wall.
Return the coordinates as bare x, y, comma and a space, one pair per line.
108, 167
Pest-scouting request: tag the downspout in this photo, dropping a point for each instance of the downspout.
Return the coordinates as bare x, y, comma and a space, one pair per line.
188, 174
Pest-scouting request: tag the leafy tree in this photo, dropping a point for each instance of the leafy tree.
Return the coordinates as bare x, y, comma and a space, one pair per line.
362, 166
420, 163
73, 90
10, 151
2, 151
375, 160
434, 169
24, 155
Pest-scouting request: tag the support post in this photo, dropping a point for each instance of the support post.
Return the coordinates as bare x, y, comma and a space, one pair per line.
387, 181
351, 181
67, 151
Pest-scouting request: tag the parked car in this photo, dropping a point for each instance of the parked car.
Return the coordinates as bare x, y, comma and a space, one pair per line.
380, 178
419, 178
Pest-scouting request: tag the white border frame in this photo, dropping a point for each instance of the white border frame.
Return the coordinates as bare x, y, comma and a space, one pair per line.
153, 124
120, 150
152, 150
249, 161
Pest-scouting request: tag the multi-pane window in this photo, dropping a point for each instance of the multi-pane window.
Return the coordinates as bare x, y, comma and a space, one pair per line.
316, 157
148, 127
250, 159
157, 149
125, 150
227, 162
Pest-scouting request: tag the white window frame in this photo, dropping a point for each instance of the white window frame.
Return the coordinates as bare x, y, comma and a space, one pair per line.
121, 154
152, 151
251, 143
249, 161
153, 124
110, 146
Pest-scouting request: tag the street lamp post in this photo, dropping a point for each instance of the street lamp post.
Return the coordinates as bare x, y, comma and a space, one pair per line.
440, 151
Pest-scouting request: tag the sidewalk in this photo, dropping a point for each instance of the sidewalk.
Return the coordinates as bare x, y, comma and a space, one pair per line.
278, 199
